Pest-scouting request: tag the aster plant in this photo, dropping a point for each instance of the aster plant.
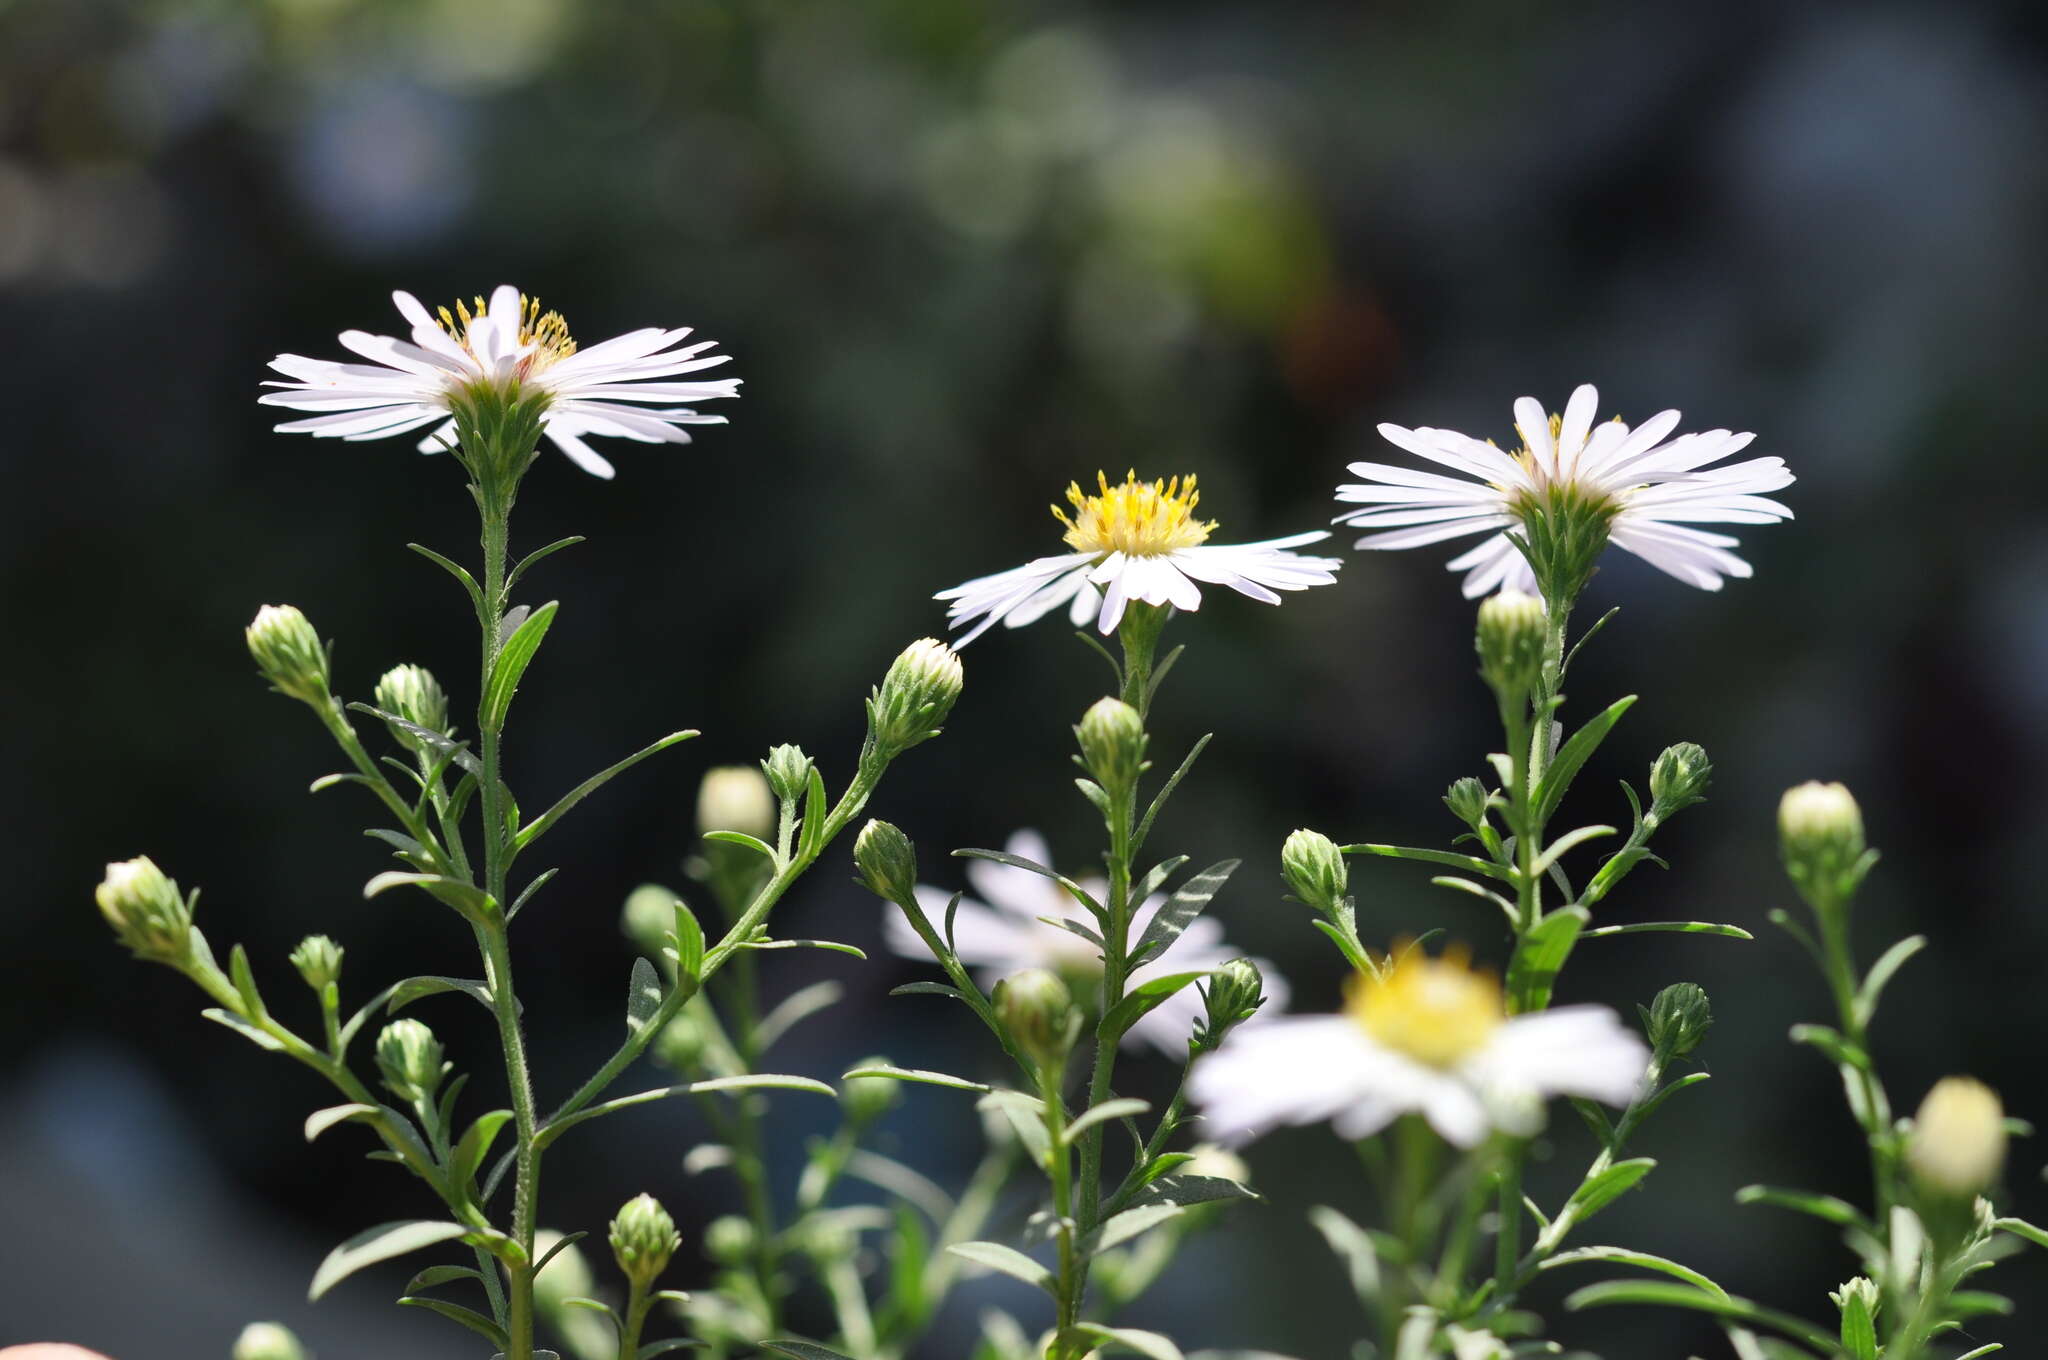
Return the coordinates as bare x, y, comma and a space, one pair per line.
495, 381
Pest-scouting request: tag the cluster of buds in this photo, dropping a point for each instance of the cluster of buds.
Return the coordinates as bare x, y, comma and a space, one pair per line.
1112, 741
643, 1237
288, 652
412, 693
147, 911
922, 685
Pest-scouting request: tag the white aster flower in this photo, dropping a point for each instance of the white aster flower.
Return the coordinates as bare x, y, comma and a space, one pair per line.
506, 341
1429, 1036
1650, 490
1133, 541
1008, 931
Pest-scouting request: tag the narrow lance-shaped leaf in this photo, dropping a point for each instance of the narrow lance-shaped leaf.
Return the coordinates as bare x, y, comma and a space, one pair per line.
380, 1243
538, 827
1564, 767
1008, 1260
1187, 902
513, 659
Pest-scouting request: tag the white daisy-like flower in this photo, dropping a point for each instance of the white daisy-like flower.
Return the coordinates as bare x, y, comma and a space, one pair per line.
1133, 541
1007, 931
1430, 1036
606, 389
1651, 489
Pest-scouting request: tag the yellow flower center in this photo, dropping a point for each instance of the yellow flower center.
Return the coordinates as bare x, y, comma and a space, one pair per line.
1140, 519
544, 334
1437, 1011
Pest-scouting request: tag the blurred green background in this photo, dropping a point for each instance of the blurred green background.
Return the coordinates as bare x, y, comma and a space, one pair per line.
963, 251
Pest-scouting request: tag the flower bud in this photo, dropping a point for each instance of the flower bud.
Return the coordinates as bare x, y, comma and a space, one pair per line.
412, 693
869, 1098
409, 1056
649, 917
1679, 778
1112, 738
643, 1239
1037, 1010
1820, 832
789, 773
682, 1043
288, 652
1512, 629
1467, 799
1234, 993
915, 696
736, 798
1315, 869
318, 960
1677, 1020
887, 861
729, 1240
1860, 1297
1958, 1143
146, 910
268, 1341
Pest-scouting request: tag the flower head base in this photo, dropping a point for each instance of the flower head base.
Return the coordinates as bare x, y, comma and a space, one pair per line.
1570, 488
1141, 519
1133, 541
1437, 1011
492, 381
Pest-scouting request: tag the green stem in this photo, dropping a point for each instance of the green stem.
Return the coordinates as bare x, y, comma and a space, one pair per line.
637, 1304
749, 1149
1072, 1282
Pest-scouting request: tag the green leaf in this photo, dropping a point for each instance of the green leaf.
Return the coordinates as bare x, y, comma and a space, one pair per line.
1108, 1109
798, 1006
1671, 927
811, 839
1156, 877
1564, 767
1669, 1295
243, 1028
1354, 1246
1839, 1050
403, 994
433, 1277
1026, 1114
1187, 902
440, 743
476, 594
643, 996
1824, 1207
320, 1121
741, 838
1888, 963
513, 658
527, 562
914, 1074
380, 1243
1542, 952
1859, 1334
1471, 864
928, 989
1010, 1261
747, 1081
1626, 1257
476, 1143
674, 1343
562, 1244
833, 946
1119, 1228
1166, 789
1149, 1344
1565, 844
468, 1317
2020, 1228
689, 942
1141, 1000
1074, 890
472, 902
803, 1350
1602, 1190
538, 827
1192, 1190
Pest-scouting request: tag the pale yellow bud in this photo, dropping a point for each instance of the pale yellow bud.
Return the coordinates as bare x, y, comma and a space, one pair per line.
1958, 1144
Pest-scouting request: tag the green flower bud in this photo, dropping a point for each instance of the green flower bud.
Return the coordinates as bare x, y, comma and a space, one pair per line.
920, 689
643, 1239
869, 1098
1677, 1020
1820, 832
1679, 778
1315, 869
409, 1056
268, 1341
789, 773
887, 861
1467, 799
649, 917
1958, 1143
682, 1043
729, 1240
412, 693
1512, 628
288, 652
1038, 1012
1233, 994
1112, 738
146, 910
318, 960
736, 798
1859, 1297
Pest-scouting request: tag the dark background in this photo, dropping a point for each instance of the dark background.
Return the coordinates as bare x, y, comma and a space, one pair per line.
963, 251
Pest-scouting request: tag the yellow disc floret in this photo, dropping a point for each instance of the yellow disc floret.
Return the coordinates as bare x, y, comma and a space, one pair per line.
1140, 519
545, 335
1437, 1011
